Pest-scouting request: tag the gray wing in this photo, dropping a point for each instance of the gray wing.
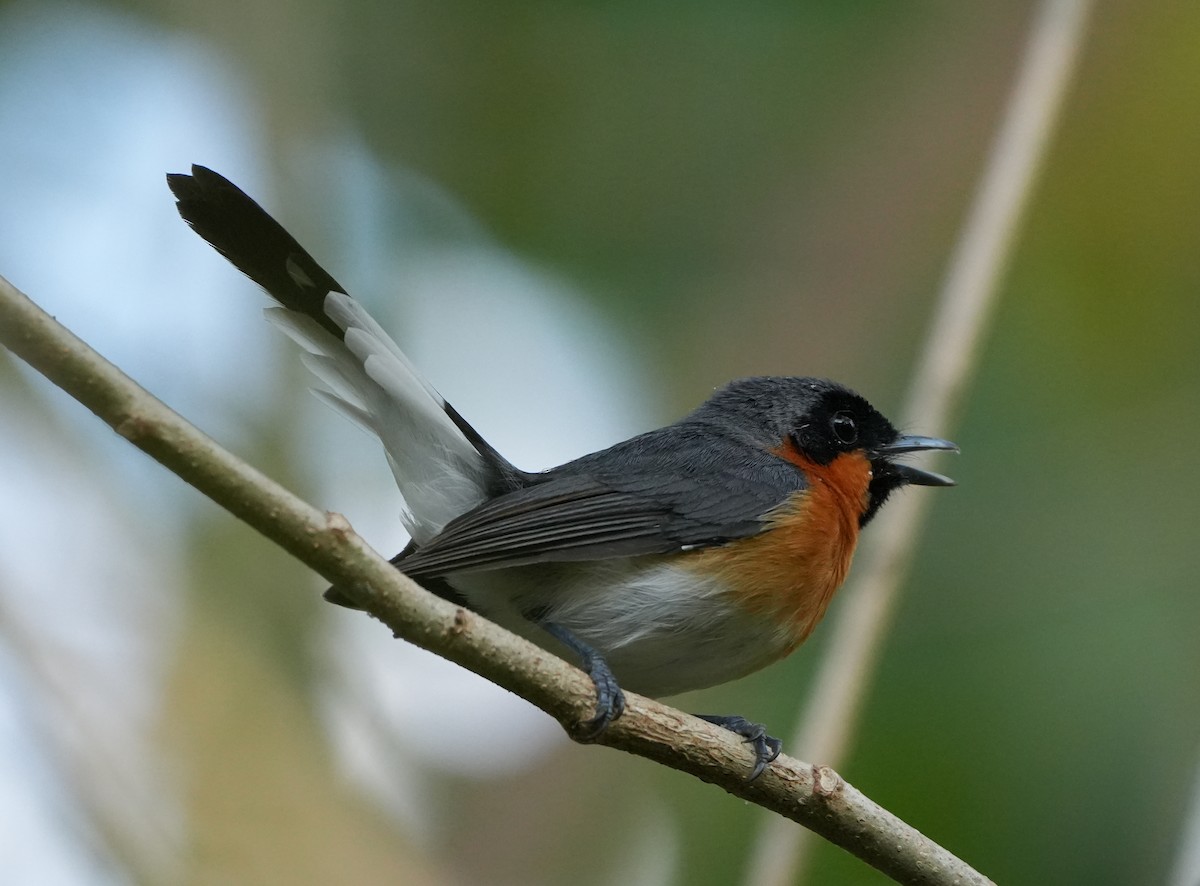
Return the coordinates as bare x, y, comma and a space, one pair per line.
682, 487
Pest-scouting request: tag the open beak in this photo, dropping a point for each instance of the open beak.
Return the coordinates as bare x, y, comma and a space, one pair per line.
907, 473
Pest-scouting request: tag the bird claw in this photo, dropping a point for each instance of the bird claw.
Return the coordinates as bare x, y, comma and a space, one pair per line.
766, 748
610, 700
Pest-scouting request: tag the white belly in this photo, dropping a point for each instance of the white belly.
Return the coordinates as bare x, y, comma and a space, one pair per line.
661, 628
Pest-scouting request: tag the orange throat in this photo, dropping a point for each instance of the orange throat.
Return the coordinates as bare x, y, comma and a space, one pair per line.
789, 573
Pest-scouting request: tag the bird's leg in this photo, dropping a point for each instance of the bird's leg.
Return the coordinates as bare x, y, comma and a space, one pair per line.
766, 748
610, 700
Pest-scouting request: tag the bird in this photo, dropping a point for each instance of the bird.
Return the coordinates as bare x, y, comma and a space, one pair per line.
679, 559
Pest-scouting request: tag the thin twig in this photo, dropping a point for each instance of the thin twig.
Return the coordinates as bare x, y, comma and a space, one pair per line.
813, 796
827, 723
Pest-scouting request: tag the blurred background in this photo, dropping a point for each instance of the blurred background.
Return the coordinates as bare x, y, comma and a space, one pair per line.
579, 219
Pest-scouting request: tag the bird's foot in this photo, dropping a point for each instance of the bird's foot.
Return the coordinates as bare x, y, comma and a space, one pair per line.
610, 700
765, 747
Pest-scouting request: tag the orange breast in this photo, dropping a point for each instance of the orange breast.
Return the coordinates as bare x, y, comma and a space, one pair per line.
789, 572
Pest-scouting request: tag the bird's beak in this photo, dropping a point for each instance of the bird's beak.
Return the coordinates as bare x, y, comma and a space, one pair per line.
907, 473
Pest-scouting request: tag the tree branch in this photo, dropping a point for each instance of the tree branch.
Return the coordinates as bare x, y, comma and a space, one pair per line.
815, 797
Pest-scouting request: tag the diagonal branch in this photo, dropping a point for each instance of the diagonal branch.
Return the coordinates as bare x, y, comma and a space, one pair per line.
816, 797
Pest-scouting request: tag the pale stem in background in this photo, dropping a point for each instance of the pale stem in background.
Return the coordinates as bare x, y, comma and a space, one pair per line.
826, 726
1186, 871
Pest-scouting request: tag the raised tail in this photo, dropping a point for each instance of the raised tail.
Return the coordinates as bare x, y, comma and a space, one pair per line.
442, 465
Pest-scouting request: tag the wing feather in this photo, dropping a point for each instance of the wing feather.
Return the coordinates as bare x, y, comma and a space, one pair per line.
674, 489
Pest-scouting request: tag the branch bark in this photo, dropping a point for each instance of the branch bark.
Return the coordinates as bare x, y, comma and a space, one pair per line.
814, 796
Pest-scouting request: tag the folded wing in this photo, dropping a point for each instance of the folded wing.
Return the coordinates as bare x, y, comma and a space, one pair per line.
674, 489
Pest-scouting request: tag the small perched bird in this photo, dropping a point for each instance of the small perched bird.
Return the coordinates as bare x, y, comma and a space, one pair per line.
679, 559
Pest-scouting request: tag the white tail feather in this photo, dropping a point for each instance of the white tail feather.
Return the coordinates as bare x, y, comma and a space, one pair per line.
339, 379
303, 330
360, 417
349, 314
368, 379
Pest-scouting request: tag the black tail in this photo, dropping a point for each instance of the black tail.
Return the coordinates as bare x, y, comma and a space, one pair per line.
256, 244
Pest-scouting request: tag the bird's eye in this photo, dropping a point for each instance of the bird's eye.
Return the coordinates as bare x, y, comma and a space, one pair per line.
845, 429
